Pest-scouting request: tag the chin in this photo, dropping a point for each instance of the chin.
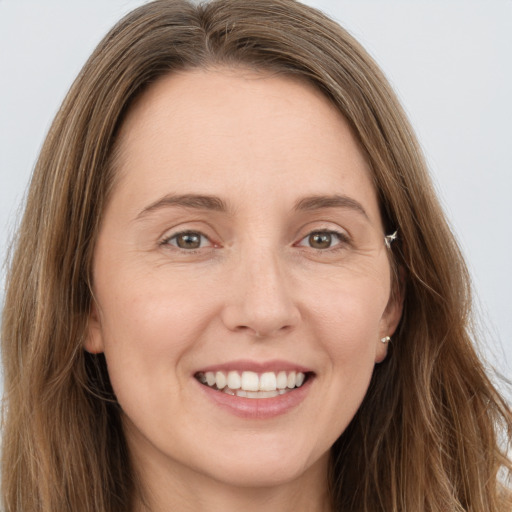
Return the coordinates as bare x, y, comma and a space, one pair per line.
266, 467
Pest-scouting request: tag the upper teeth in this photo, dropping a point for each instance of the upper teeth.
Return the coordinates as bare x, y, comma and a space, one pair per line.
251, 381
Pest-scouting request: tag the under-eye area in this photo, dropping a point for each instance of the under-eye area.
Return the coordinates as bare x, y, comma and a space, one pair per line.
249, 384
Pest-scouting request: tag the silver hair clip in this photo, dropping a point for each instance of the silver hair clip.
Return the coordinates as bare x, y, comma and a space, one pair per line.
388, 239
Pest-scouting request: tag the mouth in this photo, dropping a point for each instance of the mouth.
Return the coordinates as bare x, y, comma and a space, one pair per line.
249, 384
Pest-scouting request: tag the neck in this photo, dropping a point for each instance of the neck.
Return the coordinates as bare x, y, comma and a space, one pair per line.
183, 489
228, 499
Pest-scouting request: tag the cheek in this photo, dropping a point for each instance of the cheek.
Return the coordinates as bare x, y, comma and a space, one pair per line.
348, 325
350, 312
351, 342
148, 325
151, 307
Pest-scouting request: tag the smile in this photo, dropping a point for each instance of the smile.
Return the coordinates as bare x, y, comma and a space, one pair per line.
248, 384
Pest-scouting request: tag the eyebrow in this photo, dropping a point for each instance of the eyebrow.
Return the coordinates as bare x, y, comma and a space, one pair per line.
214, 203
335, 201
198, 202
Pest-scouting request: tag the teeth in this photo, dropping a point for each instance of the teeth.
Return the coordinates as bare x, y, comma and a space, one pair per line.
210, 379
234, 381
268, 382
251, 384
282, 380
220, 380
250, 381
262, 394
291, 380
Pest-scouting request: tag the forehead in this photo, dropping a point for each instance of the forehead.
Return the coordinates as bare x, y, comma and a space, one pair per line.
209, 131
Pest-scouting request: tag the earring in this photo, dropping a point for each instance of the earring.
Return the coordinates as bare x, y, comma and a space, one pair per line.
386, 339
388, 239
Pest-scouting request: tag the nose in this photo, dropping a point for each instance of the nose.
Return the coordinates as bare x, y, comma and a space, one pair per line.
261, 302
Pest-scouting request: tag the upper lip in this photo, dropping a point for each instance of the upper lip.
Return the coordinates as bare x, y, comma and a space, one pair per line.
241, 365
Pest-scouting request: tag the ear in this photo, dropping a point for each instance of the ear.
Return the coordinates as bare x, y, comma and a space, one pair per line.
391, 318
94, 334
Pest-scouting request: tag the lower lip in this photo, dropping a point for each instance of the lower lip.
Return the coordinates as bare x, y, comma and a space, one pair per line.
258, 408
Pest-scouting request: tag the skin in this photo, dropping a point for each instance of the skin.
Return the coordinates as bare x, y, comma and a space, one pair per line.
255, 289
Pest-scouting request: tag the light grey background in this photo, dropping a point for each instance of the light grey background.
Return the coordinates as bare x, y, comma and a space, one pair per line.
450, 62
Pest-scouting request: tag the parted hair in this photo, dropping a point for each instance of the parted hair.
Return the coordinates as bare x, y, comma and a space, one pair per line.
432, 433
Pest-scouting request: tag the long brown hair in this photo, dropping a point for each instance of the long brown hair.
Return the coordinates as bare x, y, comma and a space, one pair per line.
432, 433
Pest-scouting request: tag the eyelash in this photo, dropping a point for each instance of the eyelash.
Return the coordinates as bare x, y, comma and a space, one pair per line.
342, 240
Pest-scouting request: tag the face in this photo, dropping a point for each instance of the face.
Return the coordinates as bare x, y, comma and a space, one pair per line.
241, 278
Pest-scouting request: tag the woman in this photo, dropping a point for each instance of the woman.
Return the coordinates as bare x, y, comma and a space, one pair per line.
234, 286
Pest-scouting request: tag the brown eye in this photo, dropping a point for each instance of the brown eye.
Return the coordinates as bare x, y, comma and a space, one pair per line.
188, 240
325, 240
320, 240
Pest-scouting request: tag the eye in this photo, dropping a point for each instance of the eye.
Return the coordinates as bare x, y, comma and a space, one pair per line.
188, 240
322, 240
